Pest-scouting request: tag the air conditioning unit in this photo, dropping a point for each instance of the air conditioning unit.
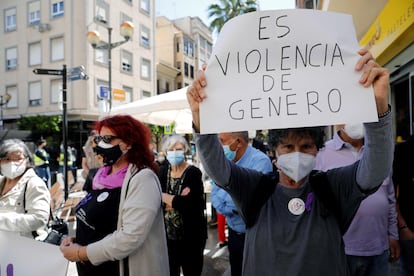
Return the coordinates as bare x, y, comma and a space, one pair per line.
44, 27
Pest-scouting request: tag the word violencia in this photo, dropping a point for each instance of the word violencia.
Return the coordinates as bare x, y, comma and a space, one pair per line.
288, 58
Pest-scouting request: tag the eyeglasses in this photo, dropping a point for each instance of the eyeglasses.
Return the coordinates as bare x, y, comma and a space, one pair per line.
9, 159
106, 138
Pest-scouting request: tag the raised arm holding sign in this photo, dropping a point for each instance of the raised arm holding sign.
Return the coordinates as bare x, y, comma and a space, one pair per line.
295, 219
288, 68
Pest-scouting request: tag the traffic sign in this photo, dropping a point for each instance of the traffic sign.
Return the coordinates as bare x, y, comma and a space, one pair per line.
77, 73
118, 95
104, 92
39, 71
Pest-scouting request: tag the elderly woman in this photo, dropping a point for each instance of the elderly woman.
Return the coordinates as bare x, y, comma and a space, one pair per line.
183, 196
24, 197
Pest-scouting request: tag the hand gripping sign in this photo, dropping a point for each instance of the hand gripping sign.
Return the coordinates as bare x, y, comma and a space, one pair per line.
285, 68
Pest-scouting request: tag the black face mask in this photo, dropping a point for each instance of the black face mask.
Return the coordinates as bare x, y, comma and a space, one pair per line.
110, 155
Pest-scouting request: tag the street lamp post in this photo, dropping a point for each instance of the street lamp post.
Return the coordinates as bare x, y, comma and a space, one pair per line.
4, 99
126, 30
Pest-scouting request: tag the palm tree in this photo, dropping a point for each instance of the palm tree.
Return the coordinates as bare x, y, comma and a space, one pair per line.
228, 9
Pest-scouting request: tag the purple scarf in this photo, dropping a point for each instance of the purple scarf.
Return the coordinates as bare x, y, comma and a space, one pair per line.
103, 180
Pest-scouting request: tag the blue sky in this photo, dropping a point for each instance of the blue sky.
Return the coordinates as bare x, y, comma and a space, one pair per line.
173, 9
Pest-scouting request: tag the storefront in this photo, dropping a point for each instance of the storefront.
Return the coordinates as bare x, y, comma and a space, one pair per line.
391, 40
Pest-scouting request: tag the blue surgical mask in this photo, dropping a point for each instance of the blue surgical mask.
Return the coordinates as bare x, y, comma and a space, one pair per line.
230, 154
175, 157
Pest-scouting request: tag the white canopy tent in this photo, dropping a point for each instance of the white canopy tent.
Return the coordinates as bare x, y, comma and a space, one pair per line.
161, 110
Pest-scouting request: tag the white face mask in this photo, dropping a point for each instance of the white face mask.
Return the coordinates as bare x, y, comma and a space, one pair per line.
355, 131
296, 165
12, 170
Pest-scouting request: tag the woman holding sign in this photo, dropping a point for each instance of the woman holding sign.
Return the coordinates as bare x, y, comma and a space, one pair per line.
295, 219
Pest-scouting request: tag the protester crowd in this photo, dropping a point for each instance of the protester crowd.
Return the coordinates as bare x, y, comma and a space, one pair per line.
307, 206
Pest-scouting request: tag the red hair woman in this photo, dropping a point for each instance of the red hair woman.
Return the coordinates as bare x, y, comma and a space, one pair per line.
120, 228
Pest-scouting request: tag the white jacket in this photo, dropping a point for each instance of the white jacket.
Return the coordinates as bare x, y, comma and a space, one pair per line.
14, 217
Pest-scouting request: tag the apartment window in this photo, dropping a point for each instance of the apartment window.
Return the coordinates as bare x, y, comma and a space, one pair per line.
145, 69
191, 71
145, 94
12, 91
11, 58
56, 91
10, 20
35, 54
101, 56
126, 60
128, 93
209, 49
186, 69
145, 6
177, 43
178, 64
145, 36
202, 47
185, 46
202, 43
35, 95
58, 8
124, 18
102, 11
57, 49
33, 10
190, 48
179, 85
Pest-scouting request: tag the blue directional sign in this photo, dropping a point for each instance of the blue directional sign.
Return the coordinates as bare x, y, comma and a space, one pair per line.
77, 73
104, 92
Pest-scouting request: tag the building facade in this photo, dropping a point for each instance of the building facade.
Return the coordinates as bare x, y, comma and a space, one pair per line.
51, 33
387, 29
182, 47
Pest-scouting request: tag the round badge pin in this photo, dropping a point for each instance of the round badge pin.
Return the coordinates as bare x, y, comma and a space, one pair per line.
102, 196
296, 206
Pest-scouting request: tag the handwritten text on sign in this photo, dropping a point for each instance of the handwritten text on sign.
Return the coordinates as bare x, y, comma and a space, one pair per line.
288, 68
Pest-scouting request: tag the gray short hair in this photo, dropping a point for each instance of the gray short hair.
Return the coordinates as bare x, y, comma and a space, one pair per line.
241, 134
15, 145
170, 141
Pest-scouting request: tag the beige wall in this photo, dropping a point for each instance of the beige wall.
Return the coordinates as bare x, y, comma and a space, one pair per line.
73, 26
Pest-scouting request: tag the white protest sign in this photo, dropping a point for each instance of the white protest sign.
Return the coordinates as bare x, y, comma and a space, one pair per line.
285, 68
21, 256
